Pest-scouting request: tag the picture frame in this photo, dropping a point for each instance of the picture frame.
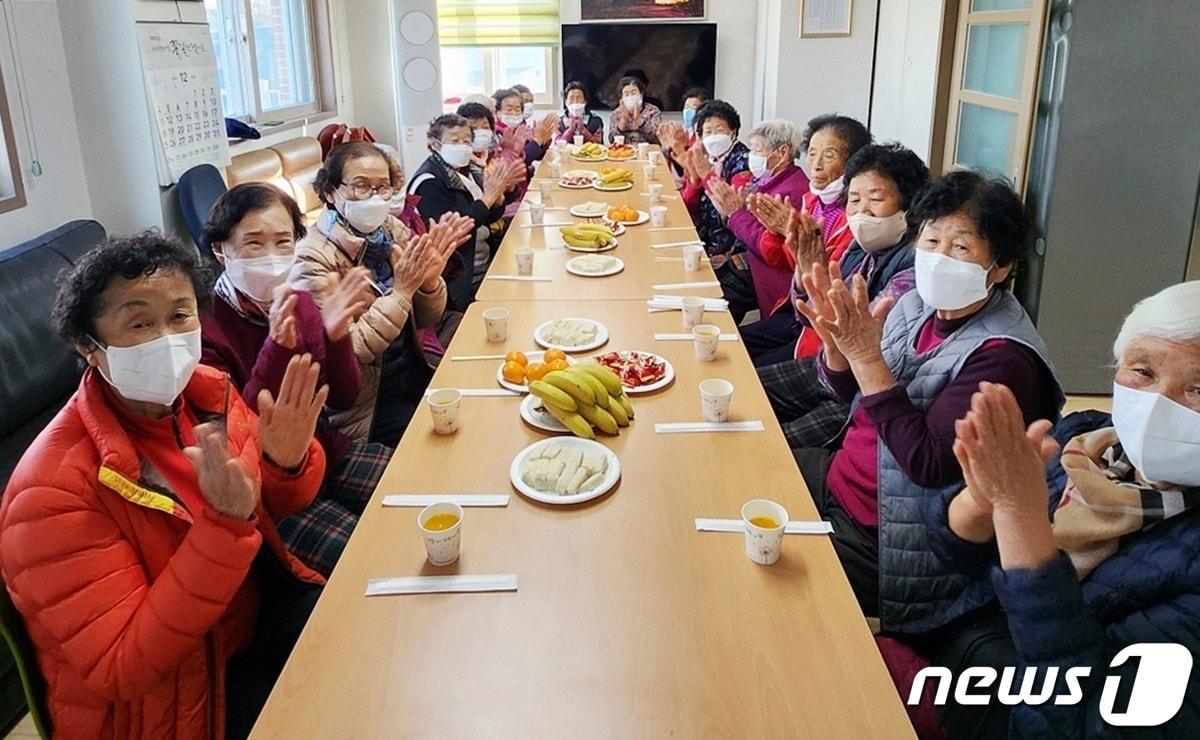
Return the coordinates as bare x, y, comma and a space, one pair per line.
825, 18
12, 189
641, 10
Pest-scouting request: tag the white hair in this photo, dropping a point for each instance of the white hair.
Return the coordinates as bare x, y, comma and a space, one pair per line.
778, 132
485, 100
1172, 313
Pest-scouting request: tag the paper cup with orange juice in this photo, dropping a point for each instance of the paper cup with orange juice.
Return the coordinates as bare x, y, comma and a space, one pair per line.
441, 528
764, 521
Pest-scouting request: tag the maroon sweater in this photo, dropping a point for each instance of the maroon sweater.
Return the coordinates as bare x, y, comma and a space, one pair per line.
923, 441
243, 349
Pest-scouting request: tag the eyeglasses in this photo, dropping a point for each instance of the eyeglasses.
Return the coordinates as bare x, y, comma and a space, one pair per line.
363, 190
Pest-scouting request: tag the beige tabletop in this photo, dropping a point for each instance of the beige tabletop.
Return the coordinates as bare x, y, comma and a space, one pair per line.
627, 622
645, 266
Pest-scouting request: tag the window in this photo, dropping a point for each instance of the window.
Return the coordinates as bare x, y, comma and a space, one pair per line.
12, 194
479, 69
267, 57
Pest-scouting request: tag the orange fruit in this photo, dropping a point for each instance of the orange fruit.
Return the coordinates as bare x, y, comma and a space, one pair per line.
554, 354
513, 372
517, 357
536, 371
557, 365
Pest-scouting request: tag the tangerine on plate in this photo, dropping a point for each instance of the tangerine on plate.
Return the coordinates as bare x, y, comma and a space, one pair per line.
557, 365
513, 372
517, 357
536, 371
554, 354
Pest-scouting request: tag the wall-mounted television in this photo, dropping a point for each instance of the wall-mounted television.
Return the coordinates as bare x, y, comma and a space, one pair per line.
675, 56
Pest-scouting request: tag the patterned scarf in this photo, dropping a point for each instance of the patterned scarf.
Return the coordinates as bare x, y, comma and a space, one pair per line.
376, 247
1106, 499
241, 305
452, 174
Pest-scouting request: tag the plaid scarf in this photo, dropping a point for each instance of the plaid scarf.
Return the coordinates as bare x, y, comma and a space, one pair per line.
241, 305
1106, 499
456, 181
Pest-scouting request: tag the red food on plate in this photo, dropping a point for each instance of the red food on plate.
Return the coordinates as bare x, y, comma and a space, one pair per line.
635, 369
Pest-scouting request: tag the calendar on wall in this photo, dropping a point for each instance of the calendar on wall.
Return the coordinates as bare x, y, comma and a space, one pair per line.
185, 97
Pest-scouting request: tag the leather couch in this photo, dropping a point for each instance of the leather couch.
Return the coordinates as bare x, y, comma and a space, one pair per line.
290, 166
37, 371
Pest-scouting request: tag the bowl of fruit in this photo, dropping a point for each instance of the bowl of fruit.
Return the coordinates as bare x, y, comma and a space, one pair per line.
614, 179
519, 369
627, 215
589, 152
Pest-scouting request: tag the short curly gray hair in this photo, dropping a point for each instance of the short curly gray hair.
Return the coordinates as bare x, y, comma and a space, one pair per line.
1172, 313
778, 132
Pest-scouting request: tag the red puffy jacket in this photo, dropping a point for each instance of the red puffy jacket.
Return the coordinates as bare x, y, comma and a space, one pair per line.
123, 591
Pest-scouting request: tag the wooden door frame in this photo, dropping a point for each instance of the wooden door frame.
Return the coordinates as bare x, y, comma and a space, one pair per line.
17, 200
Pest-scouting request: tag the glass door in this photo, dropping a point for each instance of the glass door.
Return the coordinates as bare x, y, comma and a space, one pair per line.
993, 87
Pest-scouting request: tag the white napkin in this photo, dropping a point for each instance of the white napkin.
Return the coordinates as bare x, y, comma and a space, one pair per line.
686, 286
522, 278
737, 525
665, 337
686, 427
462, 499
440, 584
479, 392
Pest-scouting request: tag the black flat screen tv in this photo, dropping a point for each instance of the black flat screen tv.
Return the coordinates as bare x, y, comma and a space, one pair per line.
675, 56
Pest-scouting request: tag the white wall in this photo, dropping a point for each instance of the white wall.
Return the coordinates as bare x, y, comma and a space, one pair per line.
907, 57
60, 194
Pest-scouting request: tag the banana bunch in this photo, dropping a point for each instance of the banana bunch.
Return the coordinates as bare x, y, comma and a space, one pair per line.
587, 236
585, 397
590, 151
612, 176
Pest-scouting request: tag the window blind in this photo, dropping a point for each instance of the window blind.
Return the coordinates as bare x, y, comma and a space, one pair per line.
498, 22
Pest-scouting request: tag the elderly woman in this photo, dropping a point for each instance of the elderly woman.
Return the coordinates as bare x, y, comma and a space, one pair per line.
577, 118
911, 376
677, 137
720, 160
258, 322
447, 183
772, 148
883, 181
137, 534
518, 133
635, 119
407, 292
1116, 562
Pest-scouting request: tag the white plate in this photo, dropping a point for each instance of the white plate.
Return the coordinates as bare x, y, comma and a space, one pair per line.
535, 356
611, 476
630, 158
616, 267
539, 418
642, 218
613, 188
601, 158
575, 211
586, 250
568, 186
599, 341
667, 378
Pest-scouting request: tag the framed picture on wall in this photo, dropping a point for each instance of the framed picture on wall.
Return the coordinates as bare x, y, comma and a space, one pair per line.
12, 191
824, 18
641, 10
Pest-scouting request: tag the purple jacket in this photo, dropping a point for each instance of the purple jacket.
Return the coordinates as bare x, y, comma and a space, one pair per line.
771, 284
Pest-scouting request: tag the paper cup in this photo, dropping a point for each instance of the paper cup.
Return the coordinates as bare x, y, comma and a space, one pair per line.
442, 546
555, 168
763, 544
655, 190
496, 322
658, 216
705, 338
578, 139
444, 407
619, 140
648, 172
537, 212
716, 397
692, 255
693, 312
653, 156
643, 149
524, 257
545, 187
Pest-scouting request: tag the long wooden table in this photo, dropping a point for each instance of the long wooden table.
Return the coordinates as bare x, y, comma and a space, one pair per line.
627, 622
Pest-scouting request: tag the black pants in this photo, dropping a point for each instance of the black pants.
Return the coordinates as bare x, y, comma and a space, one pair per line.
772, 338
857, 546
738, 288
251, 675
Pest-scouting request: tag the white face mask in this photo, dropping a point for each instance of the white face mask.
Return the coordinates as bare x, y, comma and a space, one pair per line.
456, 155
258, 277
717, 144
156, 371
576, 109
632, 102
481, 140
512, 120
365, 215
830, 192
1160, 436
527, 109
949, 284
874, 233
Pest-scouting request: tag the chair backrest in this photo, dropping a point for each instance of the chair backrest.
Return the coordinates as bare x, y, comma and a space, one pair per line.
301, 159
12, 628
198, 190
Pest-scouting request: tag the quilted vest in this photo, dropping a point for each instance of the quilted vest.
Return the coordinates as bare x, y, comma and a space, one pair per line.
917, 592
